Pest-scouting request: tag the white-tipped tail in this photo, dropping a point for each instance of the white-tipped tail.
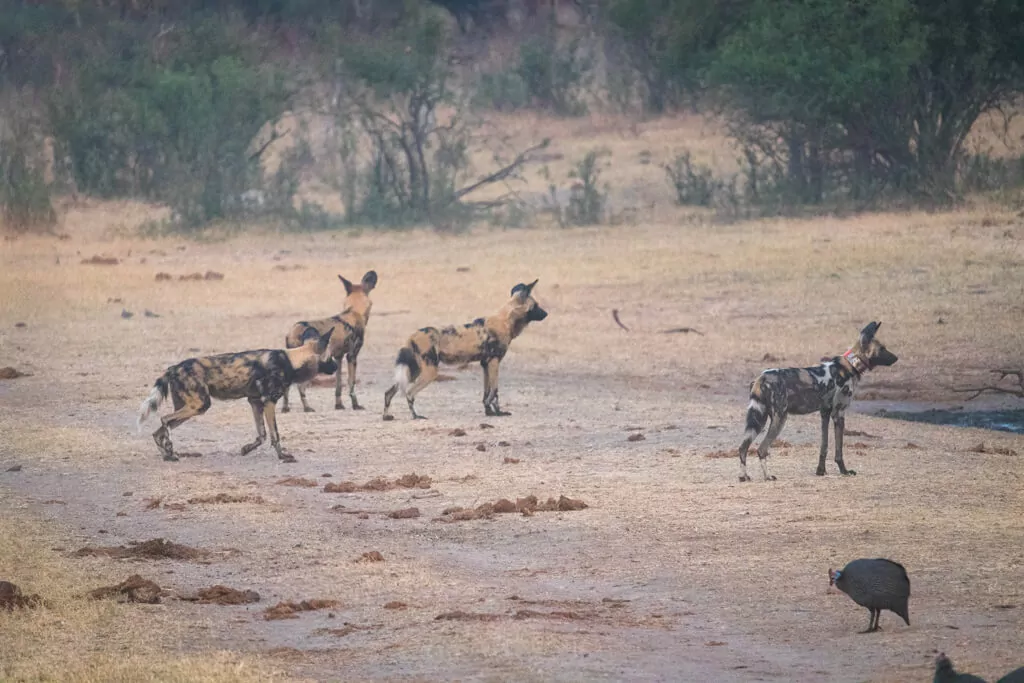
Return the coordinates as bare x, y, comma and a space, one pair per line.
148, 406
402, 378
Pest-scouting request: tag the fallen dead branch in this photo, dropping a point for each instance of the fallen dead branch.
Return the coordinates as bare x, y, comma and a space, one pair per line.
1017, 391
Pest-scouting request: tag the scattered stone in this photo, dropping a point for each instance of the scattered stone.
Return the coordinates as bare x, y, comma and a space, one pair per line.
125, 313
504, 444
11, 373
160, 277
458, 431
636, 437
459, 615
510, 461
371, 556
14, 468
911, 446
484, 425
481, 447
395, 604
406, 513
150, 314
527, 506
133, 589
20, 325
213, 275
408, 481
11, 598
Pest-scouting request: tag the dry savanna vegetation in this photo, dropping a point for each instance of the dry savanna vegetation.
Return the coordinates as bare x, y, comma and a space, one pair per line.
671, 570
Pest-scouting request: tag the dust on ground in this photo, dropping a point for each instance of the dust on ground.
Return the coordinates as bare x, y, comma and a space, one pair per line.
673, 571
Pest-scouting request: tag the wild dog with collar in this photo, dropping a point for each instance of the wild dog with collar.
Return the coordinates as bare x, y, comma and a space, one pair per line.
827, 389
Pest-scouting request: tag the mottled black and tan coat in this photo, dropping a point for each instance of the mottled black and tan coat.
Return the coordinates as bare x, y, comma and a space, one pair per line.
261, 376
485, 340
826, 389
349, 335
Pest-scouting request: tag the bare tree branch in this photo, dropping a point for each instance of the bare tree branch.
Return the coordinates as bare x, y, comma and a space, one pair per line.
502, 173
995, 388
274, 136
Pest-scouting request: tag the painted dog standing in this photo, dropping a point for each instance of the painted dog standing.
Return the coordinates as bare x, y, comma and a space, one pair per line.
827, 388
261, 376
485, 340
349, 333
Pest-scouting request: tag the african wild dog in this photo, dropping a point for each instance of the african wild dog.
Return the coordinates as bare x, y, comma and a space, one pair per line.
485, 340
349, 333
261, 376
827, 388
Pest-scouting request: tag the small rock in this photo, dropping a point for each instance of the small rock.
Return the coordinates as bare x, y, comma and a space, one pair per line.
481, 447
150, 314
636, 437
407, 513
14, 468
125, 313
457, 432
371, 556
160, 277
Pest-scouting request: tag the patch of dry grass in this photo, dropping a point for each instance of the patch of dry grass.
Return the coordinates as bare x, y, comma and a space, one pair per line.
80, 640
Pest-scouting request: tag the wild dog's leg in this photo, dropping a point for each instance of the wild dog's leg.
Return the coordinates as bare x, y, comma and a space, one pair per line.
778, 422
839, 418
269, 414
338, 403
823, 452
388, 395
491, 405
187, 408
427, 375
352, 381
285, 408
757, 415
261, 433
306, 408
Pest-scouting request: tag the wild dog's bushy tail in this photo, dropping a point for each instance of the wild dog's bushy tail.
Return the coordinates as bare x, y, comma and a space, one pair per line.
153, 401
407, 369
757, 412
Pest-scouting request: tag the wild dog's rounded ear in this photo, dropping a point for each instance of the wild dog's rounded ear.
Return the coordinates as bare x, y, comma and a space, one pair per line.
369, 280
868, 333
325, 340
523, 290
348, 285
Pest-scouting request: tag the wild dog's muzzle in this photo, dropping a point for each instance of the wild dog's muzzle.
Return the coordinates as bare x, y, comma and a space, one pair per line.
536, 314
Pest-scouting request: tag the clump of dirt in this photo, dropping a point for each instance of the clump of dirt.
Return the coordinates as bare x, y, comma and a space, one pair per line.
12, 373
97, 260
408, 481
347, 629
534, 614
484, 425
11, 598
527, 506
297, 481
290, 610
133, 589
222, 595
911, 446
405, 513
13, 468
510, 461
458, 431
371, 556
636, 436
395, 604
991, 450
227, 498
209, 275
481, 447
154, 549
160, 277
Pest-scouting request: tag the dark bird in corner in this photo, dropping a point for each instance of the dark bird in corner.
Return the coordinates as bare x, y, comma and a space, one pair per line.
945, 673
875, 584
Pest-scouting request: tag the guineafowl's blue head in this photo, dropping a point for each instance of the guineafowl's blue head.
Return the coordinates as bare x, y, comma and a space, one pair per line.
833, 576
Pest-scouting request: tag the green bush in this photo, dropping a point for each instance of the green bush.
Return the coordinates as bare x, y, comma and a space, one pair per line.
556, 78
24, 195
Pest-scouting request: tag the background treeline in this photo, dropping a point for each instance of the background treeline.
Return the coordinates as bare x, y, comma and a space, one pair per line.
176, 101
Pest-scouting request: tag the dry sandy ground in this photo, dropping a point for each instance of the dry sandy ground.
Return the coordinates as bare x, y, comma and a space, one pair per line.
675, 571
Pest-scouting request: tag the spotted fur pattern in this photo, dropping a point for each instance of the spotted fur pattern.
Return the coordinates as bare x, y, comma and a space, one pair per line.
349, 334
262, 376
484, 341
826, 389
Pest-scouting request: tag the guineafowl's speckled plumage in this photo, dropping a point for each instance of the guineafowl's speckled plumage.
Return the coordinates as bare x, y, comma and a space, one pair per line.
945, 673
876, 584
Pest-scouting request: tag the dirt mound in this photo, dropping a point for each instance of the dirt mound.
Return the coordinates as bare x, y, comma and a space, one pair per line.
408, 481
133, 589
154, 549
527, 506
405, 513
290, 610
97, 260
12, 373
395, 604
298, 481
227, 498
12, 598
222, 595
991, 450
372, 556
636, 437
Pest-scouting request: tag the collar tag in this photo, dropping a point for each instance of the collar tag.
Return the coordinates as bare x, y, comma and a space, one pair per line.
859, 365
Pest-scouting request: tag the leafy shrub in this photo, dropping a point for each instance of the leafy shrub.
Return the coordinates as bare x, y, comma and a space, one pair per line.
556, 78
24, 193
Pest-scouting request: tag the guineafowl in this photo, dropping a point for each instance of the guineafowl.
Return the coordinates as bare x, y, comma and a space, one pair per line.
945, 673
876, 584
1015, 676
